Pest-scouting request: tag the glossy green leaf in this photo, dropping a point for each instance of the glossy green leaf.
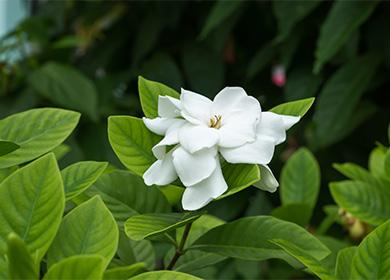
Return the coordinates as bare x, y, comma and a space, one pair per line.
294, 108
88, 267
139, 227
220, 12
80, 176
164, 274
242, 239
149, 91
300, 179
313, 264
288, 14
124, 272
7, 147
20, 263
87, 229
132, 142
369, 203
126, 194
31, 206
376, 163
65, 86
372, 258
339, 98
54, 127
343, 19
298, 213
239, 177
344, 262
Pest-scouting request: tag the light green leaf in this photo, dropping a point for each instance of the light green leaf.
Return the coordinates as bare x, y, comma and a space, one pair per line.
149, 91
288, 14
343, 19
31, 206
88, 267
172, 193
5, 172
126, 194
300, 179
87, 229
239, 177
7, 147
247, 238
376, 162
344, 262
313, 264
20, 263
164, 274
54, 127
369, 203
132, 142
298, 213
372, 258
355, 172
139, 227
124, 272
294, 108
220, 12
65, 86
80, 176
339, 98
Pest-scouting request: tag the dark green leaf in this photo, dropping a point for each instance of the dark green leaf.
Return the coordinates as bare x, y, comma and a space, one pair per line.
7, 147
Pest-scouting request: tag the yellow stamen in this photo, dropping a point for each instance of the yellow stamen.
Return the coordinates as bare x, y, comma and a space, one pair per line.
216, 121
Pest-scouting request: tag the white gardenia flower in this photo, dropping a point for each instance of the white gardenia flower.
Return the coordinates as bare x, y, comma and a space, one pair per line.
197, 131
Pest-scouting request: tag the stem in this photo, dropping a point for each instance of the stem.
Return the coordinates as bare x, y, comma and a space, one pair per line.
179, 251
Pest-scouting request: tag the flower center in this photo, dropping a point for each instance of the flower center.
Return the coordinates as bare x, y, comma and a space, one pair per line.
215, 122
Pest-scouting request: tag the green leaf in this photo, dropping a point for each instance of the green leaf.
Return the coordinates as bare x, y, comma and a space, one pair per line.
126, 194
260, 60
124, 272
87, 229
31, 206
5, 172
298, 213
65, 86
7, 147
313, 264
221, 11
355, 172
343, 19
61, 150
372, 258
339, 98
54, 127
376, 162
20, 263
288, 14
149, 91
132, 142
164, 274
366, 202
89, 267
241, 239
239, 177
139, 227
300, 179
294, 108
301, 83
80, 176
334, 245
344, 262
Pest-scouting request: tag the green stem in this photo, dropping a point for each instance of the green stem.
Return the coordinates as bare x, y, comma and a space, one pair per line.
180, 250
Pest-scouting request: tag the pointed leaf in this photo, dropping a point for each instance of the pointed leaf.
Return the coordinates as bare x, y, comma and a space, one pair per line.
87, 229
132, 142
7, 147
164, 274
80, 176
344, 262
294, 108
355, 172
88, 267
54, 127
124, 272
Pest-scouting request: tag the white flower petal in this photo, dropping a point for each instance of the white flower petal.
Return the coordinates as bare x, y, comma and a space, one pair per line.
268, 181
161, 172
193, 168
196, 137
197, 196
235, 134
168, 107
275, 126
159, 125
171, 138
226, 100
196, 108
258, 152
